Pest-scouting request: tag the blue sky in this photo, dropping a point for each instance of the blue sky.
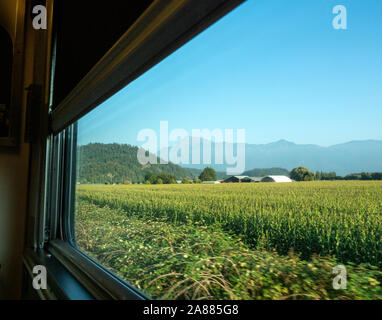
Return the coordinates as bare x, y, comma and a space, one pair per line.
276, 68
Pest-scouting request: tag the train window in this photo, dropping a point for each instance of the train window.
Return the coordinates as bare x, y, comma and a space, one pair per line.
171, 171
136, 169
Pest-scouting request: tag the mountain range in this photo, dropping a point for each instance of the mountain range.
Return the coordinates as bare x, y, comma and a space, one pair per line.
345, 158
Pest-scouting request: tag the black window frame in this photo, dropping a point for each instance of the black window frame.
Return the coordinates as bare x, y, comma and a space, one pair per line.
163, 28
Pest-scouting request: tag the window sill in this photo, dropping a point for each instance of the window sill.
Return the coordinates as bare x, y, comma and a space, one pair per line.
61, 285
99, 282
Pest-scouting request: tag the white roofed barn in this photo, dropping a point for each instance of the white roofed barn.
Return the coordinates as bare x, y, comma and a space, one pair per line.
276, 179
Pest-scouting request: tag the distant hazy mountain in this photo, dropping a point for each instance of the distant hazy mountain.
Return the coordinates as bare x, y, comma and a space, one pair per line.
261, 172
345, 158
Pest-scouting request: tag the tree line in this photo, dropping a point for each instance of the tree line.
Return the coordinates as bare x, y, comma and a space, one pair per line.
208, 174
304, 174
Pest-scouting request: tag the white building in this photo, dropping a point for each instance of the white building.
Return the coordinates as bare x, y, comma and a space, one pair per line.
276, 179
211, 182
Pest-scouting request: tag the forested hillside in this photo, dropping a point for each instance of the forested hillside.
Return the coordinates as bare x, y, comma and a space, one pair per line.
116, 163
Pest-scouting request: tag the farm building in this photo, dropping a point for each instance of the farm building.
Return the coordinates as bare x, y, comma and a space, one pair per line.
237, 179
211, 182
276, 179
242, 179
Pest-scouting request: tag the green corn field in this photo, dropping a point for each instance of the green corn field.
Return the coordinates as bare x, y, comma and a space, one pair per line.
236, 241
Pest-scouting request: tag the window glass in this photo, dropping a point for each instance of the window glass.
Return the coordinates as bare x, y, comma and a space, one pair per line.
247, 164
